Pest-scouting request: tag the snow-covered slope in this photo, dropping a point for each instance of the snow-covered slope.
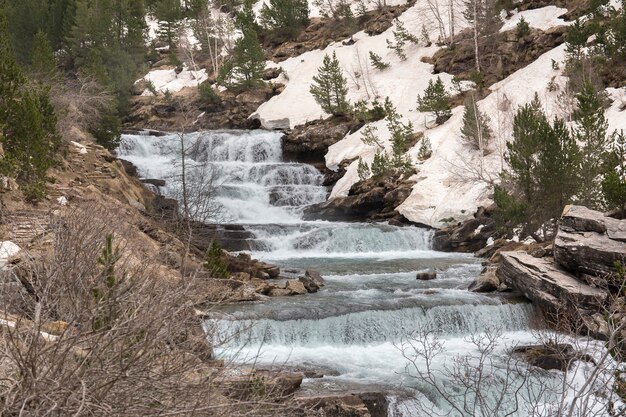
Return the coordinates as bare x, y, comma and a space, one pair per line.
455, 180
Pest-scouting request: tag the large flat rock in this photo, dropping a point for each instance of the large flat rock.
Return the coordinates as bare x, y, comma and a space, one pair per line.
547, 285
588, 242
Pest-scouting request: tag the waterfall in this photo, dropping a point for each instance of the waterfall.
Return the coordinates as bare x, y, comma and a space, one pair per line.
371, 303
248, 178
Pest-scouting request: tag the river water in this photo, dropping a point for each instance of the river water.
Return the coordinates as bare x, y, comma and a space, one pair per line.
356, 330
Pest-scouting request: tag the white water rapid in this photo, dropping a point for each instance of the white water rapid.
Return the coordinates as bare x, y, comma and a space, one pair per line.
352, 330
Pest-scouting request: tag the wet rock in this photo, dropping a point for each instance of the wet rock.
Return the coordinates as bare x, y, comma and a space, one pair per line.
296, 287
152, 181
315, 277
279, 292
551, 356
262, 383
310, 142
426, 275
488, 281
374, 199
309, 284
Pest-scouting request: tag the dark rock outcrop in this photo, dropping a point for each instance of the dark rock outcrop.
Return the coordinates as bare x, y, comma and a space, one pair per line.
309, 143
426, 275
469, 236
366, 404
374, 199
550, 356
589, 244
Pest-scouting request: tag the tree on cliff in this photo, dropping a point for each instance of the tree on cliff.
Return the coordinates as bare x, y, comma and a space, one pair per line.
330, 87
285, 17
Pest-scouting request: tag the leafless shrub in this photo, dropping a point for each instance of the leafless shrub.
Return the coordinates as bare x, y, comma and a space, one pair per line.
126, 340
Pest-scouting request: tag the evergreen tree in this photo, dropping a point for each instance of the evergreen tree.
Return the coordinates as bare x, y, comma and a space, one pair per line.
543, 161
245, 19
285, 17
43, 64
168, 13
330, 87
522, 28
435, 100
475, 129
380, 164
363, 170
401, 135
614, 182
245, 67
576, 40
27, 124
377, 61
591, 132
425, 150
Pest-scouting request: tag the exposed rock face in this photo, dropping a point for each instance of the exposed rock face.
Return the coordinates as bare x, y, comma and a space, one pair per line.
504, 53
370, 200
309, 143
488, 281
588, 243
544, 283
469, 236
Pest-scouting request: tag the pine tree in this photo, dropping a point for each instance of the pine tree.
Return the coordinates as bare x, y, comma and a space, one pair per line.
542, 177
590, 130
522, 28
363, 170
168, 13
27, 124
245, 67
576, 40
377, 61
614, 182
380, 164
285, 17
425, 150
330, 87
43, 64
475, 129
435, 100
401, 135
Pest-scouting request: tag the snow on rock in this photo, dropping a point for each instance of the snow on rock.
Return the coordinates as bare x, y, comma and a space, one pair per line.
616, 114
543, 18
167, 79
8, 249
79, 147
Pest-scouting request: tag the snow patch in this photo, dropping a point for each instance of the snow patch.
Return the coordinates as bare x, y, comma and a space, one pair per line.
543, 18
8, 249
167, 79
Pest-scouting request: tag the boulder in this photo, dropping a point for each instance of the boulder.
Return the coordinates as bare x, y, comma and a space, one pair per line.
488, 281
336, 405
259, 383
547, 285
295, 286
468, 236
589, 243
426, 275
315, 277
551, 356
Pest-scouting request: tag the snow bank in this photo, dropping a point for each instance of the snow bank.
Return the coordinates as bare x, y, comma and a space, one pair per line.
8, 249
167, 79
616, 114
543, 18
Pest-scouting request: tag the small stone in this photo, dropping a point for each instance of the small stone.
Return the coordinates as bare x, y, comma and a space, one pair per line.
426, 275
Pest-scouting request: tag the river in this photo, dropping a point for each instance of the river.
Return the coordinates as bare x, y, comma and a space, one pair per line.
354, 329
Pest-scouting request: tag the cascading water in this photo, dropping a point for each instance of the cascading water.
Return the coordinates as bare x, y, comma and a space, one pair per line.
371, 303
